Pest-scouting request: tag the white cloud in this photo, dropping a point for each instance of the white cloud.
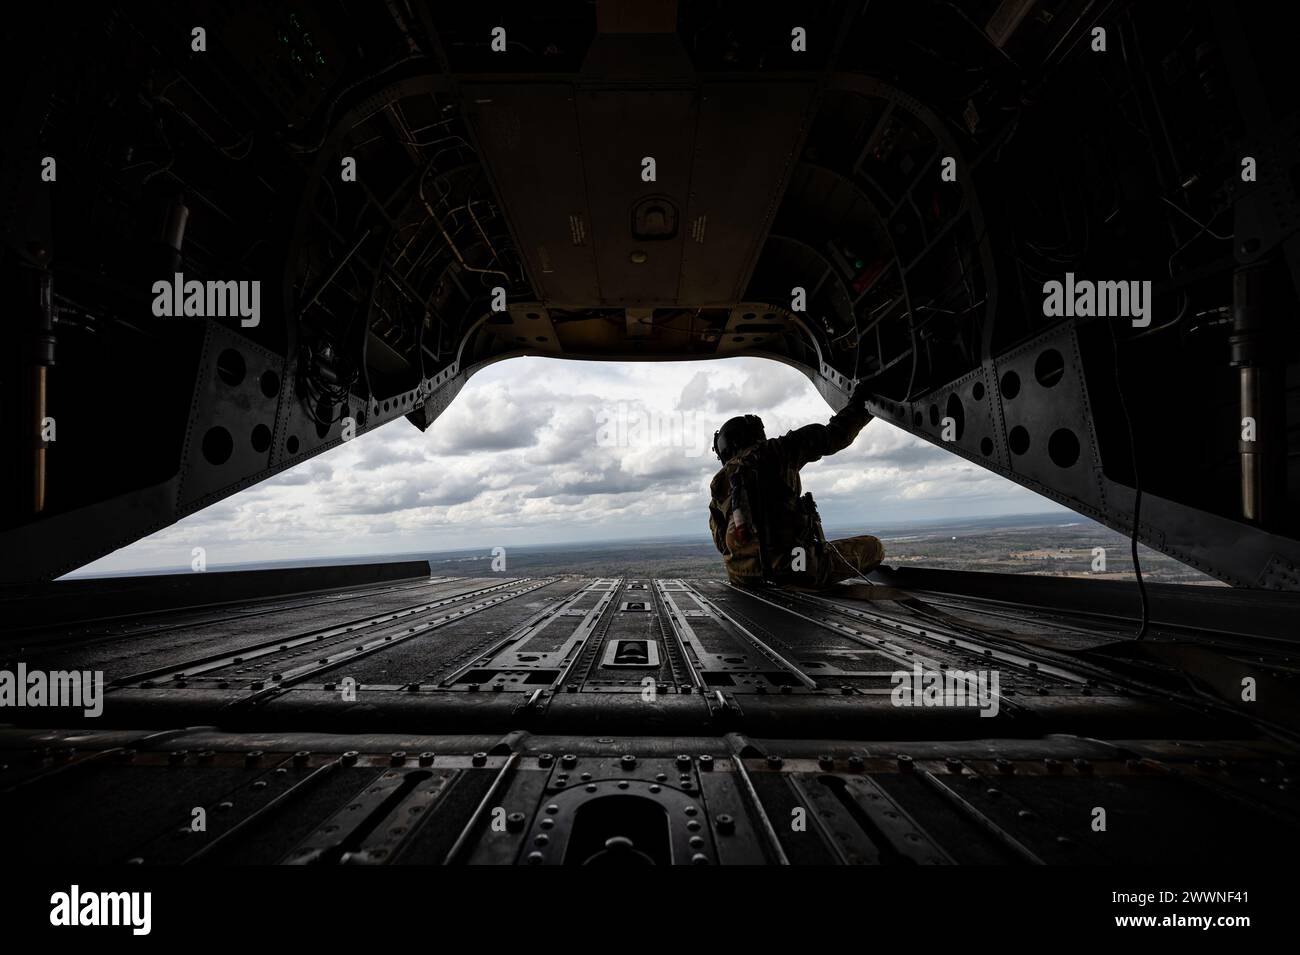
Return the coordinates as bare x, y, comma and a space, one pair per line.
517, 459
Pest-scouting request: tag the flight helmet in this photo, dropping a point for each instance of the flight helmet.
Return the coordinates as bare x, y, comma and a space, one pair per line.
737, 435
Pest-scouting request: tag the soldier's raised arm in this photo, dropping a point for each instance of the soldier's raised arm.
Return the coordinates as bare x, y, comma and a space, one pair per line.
811, 442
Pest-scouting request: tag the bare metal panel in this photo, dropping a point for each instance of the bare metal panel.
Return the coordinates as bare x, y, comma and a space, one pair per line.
744, 148
532, 146
568, 164
619, 130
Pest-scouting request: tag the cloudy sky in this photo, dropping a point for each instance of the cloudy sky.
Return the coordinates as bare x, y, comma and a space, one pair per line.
539, 450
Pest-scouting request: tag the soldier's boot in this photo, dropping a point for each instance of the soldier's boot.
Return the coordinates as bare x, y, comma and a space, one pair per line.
852, 557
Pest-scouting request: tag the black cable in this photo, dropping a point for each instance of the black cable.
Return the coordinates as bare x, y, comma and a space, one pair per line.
1186, 306
1137, 490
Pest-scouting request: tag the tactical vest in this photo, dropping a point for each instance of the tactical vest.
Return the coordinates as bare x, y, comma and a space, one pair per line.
766, 520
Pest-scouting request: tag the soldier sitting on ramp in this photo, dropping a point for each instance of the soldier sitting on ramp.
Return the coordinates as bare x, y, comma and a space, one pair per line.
765, 527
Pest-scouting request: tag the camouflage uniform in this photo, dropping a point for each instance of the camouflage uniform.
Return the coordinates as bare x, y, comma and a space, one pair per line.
763, 482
